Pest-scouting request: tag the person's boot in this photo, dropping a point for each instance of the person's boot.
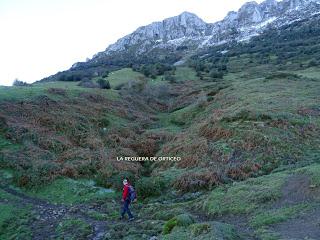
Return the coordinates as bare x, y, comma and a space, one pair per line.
131, 219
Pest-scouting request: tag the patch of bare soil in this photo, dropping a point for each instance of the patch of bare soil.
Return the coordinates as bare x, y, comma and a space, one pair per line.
304, 227
298, 189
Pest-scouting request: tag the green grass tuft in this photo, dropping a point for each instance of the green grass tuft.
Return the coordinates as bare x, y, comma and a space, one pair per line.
278, 215
245, 197
73, 229
185, 73
123, 76
180, 220
69, 191
14, 222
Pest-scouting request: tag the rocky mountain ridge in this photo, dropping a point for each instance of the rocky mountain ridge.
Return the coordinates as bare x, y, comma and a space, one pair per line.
188, 30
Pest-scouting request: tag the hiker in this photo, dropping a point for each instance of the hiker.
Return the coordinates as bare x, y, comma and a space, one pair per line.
128, 196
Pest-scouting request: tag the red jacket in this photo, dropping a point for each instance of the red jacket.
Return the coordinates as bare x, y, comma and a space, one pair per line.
125, 192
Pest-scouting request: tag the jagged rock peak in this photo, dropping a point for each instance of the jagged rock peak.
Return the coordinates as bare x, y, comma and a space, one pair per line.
187, 29
184, 25
188, 16
185, 19
250, 13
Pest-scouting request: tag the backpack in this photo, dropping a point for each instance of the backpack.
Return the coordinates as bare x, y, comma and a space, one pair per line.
132, 194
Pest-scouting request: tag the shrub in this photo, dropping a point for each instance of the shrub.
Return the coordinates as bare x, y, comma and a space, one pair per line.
223, 68
70, 77
37, 176
87, 169
169, 76
216, 74
199, 228
159, 91
102, 175
153, 70
149, 187
103, 122
147, 147
115, 181
104, 84
180, 220
105, 74
167, 228
185, 219
74, 229
196, 181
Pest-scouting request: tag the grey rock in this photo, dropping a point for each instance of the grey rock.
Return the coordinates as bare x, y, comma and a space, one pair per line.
190, 31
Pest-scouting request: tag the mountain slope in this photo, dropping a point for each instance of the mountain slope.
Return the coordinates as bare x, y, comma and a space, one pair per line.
175, 39
187, 27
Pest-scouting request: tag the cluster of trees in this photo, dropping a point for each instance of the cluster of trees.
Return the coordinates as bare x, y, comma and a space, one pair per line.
129, 58
157, 69
103, 83
296, 44
79, 75
151, 64
170, 76
19, 83
214, 67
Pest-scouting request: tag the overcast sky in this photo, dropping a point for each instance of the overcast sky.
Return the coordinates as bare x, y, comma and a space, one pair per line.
41, 37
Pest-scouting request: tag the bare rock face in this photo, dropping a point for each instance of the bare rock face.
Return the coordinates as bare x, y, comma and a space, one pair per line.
249, 13
185, 25
188, 30
292, 4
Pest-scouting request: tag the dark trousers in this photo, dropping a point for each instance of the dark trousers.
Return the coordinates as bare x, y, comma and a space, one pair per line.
125, 209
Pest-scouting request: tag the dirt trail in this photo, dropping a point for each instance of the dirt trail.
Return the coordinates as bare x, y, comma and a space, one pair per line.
297, 190
303, 227
48, 216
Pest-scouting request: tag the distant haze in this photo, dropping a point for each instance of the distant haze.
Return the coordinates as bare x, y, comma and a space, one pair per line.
41, 37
